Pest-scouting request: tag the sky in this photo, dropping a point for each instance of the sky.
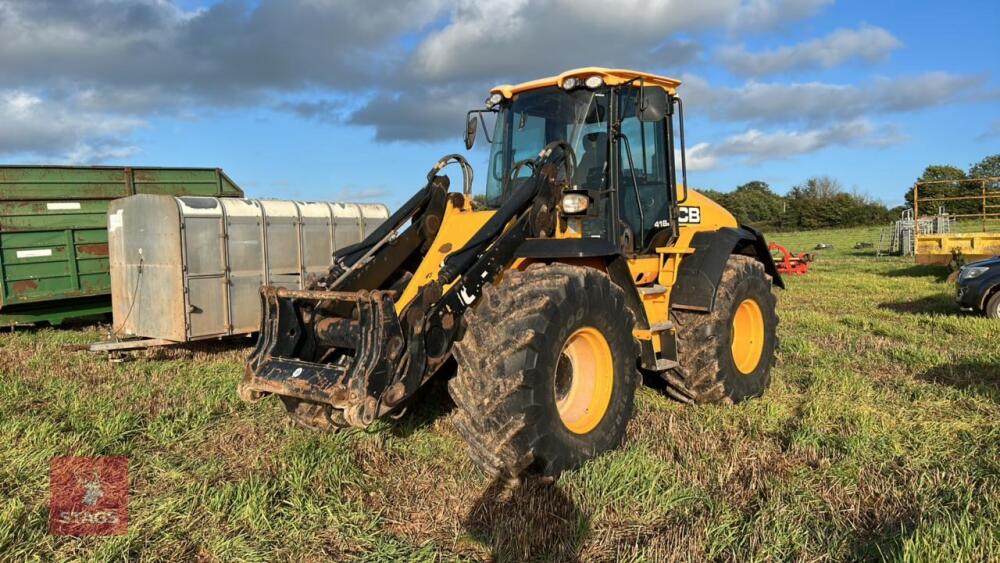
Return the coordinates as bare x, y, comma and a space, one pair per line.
354, 100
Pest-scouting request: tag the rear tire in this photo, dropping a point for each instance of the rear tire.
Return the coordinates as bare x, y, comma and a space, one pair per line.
712, 368
547, 371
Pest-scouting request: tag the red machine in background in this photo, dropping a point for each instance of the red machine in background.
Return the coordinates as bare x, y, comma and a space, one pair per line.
789, 263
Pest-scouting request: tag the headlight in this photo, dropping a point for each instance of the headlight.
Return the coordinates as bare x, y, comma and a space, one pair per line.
968, 273
593, 82
494, 99
573, 204
570, 83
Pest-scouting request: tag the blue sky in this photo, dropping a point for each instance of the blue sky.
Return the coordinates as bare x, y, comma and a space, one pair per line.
354, 100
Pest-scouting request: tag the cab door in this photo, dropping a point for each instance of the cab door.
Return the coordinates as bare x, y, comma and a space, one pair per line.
643, 175
645, 201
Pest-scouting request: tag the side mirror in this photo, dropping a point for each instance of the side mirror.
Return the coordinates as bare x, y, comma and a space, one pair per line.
471, 125
653, 105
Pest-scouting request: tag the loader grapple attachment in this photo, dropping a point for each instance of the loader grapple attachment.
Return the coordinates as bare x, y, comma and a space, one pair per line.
353, 379
346, 348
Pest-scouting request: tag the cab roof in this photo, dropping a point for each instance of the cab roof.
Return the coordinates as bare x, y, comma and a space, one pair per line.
612, 77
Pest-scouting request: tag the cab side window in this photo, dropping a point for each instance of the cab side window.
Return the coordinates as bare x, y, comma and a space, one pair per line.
529, 139
648, 164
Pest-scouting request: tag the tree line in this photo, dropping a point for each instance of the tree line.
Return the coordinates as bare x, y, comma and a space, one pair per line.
822, 202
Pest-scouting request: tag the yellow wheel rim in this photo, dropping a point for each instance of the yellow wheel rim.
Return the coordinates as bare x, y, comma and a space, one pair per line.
748, 336
584, 380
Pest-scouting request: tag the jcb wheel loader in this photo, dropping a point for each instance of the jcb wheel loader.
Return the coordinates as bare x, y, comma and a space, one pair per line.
586, 266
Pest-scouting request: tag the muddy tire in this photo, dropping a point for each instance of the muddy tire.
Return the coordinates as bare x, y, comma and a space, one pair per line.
546, 371
314, 416
726, 356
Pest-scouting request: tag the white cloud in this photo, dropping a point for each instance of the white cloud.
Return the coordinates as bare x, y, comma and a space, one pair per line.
32, 125
95, 70
759, 15
226, 53
867, 43
758, 146
754, 146
95, 65
524, 39
818, 102
92, 153
420, 114
699, 157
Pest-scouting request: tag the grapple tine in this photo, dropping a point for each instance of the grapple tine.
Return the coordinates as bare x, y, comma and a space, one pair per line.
354, 382
268, 306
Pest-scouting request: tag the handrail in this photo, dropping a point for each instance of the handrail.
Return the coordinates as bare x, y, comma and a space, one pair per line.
987, 194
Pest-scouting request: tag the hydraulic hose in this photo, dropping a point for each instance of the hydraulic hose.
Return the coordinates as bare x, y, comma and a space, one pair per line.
349, 255
466, 171
520, 200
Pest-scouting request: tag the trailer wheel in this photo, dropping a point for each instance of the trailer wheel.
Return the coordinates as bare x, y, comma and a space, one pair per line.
314, 416
726, 356
547, 371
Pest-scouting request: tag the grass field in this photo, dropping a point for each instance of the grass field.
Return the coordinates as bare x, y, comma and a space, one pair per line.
878, 440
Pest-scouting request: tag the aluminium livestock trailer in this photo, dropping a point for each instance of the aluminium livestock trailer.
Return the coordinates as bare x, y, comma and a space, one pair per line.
190, 268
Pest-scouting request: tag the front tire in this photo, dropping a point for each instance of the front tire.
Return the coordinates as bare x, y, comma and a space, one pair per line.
992, 309
547, 371
726, 356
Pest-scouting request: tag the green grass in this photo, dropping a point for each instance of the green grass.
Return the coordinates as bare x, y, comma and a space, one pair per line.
878, 440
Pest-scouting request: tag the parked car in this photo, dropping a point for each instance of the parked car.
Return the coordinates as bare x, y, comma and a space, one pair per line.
979, 287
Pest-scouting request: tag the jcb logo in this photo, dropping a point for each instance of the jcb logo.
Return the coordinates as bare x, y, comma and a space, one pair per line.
689, 215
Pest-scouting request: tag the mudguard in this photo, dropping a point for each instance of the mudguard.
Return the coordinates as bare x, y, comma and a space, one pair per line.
699, 274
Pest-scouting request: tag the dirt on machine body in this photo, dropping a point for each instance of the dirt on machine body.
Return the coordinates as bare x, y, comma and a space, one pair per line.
586, 266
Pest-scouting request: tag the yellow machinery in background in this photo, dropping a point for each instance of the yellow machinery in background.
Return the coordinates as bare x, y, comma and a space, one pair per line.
976, 234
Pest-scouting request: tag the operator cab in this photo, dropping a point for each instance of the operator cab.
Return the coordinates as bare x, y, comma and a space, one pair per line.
620, 127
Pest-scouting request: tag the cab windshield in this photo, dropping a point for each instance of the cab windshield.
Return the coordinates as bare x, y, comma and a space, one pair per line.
536, 118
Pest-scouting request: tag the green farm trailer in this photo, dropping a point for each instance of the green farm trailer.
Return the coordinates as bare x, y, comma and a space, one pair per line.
54, 238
